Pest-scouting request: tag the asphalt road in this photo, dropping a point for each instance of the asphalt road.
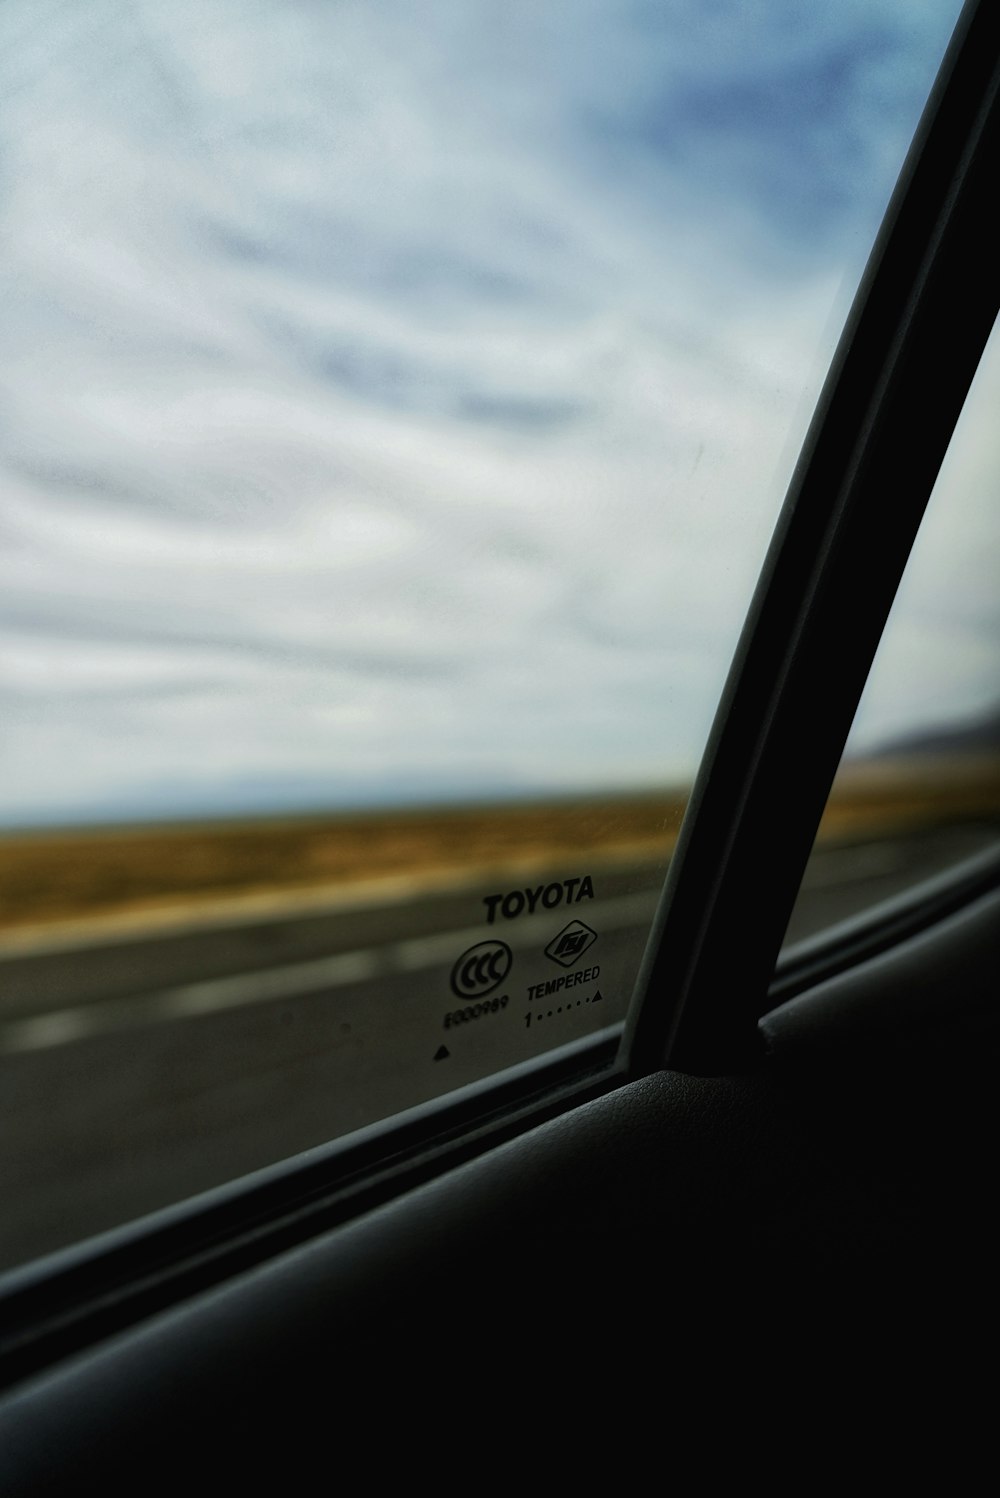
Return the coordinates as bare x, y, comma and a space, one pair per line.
136, 1072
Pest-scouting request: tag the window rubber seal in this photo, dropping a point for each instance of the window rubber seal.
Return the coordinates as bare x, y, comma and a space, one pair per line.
895, 390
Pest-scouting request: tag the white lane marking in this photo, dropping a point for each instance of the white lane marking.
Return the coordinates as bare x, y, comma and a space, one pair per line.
43, 1030
256, 988
835, 866
63, 1026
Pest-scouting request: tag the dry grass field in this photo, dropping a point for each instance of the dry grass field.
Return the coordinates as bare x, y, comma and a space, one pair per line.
144, 872
876, 798
69, 875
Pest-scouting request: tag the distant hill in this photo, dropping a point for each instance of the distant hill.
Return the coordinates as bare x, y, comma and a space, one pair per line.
979, 736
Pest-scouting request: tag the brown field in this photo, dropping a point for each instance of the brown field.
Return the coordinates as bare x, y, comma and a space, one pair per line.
144, 872
55, 876
877, 798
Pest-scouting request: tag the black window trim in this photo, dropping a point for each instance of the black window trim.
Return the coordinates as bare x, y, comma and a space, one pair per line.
881, 927
695, 1009
895, 390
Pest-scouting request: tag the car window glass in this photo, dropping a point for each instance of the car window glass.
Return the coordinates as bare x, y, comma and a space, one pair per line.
397, 403
918, 790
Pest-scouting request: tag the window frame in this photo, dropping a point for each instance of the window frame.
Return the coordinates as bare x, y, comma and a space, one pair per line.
790, 697
882, 426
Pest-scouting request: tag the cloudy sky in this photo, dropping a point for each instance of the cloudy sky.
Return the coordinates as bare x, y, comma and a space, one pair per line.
396, 399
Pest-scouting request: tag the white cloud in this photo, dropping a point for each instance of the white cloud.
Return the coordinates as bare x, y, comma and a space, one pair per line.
385, 396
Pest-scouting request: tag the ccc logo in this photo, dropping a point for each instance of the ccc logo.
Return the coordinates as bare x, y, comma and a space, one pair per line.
481, 969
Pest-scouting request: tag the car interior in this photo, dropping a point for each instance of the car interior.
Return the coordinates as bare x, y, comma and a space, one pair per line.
772, 1184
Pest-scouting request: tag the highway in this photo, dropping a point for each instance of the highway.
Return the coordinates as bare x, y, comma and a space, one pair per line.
140, 1068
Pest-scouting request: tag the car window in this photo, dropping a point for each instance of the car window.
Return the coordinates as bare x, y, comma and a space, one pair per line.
918, 791
397, 412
